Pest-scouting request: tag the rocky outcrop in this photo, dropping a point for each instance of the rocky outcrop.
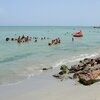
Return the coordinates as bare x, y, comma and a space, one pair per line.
89, 77
87, 71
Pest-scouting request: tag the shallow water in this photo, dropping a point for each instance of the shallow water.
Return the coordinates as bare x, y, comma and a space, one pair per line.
20, 61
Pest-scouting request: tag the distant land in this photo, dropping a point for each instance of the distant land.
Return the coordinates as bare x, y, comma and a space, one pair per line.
96, 27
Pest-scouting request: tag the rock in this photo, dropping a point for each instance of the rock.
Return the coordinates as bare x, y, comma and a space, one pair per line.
62, 72
92, 62
81, 66
97, 60
76, 68
90, 77
87, 68
46, 68
87, 60
75, 76
73, 69
86, 80
58, 76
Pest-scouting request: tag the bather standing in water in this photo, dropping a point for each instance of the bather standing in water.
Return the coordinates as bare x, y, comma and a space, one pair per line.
72, 39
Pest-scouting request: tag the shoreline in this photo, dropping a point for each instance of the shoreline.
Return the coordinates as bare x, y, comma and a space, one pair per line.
46, 87
57, 65
69, 62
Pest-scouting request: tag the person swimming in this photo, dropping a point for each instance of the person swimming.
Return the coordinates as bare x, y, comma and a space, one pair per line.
72, 39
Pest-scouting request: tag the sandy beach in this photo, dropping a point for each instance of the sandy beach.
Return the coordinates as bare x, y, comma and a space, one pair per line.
49, 50
46, 87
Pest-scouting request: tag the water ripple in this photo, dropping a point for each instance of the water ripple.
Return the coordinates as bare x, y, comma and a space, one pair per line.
16, 57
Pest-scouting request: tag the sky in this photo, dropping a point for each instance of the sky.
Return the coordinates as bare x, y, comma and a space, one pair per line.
49, 12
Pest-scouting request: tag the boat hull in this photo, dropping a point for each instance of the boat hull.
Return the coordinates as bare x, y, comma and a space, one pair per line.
75, 35
79, 34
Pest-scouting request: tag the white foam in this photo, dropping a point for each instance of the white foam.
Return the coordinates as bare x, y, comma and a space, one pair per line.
58, 64
74, 59
82, 56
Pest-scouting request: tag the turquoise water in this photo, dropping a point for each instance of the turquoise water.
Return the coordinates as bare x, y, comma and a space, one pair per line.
20, 61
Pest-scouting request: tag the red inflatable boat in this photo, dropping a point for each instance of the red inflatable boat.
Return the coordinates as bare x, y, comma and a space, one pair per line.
78, 34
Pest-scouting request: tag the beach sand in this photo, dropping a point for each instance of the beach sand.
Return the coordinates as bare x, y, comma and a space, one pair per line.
46, 87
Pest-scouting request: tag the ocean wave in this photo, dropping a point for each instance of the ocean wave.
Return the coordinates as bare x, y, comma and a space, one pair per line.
82, 56
13, 77
16, 57
74, 59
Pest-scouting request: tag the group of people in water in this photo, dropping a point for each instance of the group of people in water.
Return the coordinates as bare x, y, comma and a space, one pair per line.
20, 39
54, 41
23, 38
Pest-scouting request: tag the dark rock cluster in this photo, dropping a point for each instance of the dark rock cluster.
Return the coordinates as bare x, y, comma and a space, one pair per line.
86, 71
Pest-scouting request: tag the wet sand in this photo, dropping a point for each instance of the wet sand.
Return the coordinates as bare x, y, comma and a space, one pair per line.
46, 87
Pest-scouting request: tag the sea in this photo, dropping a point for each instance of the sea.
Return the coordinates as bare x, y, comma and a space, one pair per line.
20, 61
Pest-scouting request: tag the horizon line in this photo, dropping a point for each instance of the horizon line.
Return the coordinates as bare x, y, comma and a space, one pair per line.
47, 25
